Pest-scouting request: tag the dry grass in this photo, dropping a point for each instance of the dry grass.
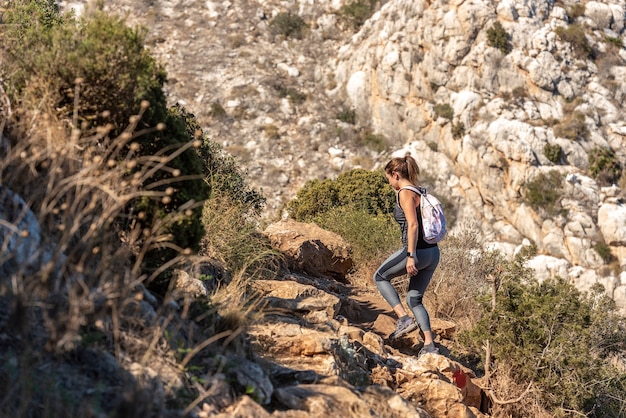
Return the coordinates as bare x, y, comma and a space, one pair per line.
84, 273
462, 275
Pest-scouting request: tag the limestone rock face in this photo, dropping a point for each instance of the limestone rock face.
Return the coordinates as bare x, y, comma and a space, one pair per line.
501, 101
311, 249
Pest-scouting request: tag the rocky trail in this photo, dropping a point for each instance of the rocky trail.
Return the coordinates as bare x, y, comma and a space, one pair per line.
322, 358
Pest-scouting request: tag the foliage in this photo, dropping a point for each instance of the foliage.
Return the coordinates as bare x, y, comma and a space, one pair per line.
360, 189
369, 235
544, 192
461, 277
347, 116
221, 171
356, 13
376, 142
614, 41
549, 334
575, 35
498, 37
232, 235
288, 24
553, 153
217, 110
604, 251
604, 166
291, 93
573, 127
458, 130
444, 111
115, 72
96, 73
575, 11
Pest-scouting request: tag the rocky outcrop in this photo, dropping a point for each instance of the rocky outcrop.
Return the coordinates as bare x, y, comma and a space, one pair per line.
414, 56
311, 249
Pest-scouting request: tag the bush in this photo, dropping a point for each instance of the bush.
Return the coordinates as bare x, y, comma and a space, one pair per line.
575, 11
604, 251
604, 166
373, 141
115, 72
549, 334
370, 236
553, 153
461, 277
498, 38
291, 93
444, 111
347, 116
575, 35
573, 127
544, 192
288, 25
356, 13
360, 189
458, 130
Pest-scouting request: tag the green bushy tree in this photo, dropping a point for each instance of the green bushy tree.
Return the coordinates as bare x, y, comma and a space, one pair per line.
96, 74
604, 166
544, 192
498, 37
357, 206
552, 335
360, 189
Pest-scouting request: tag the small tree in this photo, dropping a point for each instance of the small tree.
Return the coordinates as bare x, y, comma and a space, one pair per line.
498, 38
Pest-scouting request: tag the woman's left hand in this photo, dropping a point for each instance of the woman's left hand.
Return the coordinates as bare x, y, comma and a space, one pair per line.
411, 269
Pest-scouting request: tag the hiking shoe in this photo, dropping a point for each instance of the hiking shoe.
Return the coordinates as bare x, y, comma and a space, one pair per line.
427, 350
405, 325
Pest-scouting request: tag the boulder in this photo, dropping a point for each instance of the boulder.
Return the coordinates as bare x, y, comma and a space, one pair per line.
311, 249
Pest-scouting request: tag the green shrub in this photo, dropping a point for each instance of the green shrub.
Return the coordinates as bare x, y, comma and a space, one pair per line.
549, 334
553, 153
288, 25
444, 111
356, 13
573, 127
498, 38
604, 166
544, 192
217, 110
369, 235
376, 142
604, 251
221, 172
575, 35
616, 42
347, 116
291, 93
116, 72
458, 130
360, 189
96, 72
575, 11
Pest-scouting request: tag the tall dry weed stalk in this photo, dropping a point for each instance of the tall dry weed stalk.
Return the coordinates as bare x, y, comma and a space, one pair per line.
79, 186
462, 275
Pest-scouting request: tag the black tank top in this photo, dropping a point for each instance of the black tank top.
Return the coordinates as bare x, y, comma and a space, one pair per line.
400, 217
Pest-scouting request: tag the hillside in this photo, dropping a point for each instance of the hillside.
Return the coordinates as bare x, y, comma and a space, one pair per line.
520, 126
147, 273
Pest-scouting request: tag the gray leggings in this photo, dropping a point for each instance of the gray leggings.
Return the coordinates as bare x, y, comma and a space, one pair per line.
426, 260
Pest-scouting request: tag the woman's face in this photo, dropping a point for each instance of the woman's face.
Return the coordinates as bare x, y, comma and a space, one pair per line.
393, 180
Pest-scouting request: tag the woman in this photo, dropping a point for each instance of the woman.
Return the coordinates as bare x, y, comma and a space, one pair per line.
417, 258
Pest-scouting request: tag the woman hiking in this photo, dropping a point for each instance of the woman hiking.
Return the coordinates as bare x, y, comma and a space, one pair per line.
417, 258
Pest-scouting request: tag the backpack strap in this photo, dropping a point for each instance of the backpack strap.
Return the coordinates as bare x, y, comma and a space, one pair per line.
421, 191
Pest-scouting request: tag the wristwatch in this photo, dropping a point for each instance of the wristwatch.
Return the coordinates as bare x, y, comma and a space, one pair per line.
409, 254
